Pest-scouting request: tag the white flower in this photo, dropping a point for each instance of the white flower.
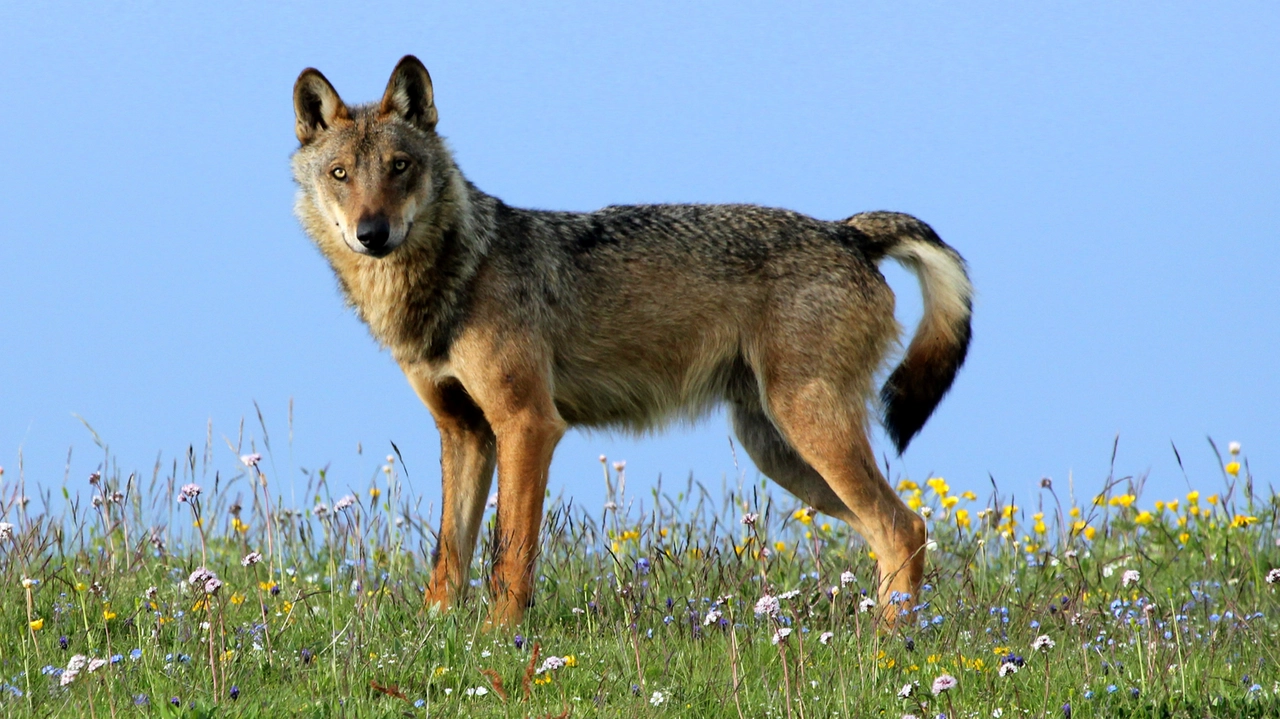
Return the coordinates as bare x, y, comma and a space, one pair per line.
189, 492
713, 616
493, 500
96, 664
67, 677
657, 698
251, 460
1008, 668
477, 691
867, 604
1273, 576
610, 506
97, 500
997, 713
200, 576
578, 610
789, 595
946, 682
321, 509
749, 518
768, 605
28, 582
846, 578
1130, 576
1042, 643
1234, 448
907, 690
551, 664
151, 592
781, 634
925, 511
77, 662
251, 559
6, 531
117, 497
826, 637
344, 503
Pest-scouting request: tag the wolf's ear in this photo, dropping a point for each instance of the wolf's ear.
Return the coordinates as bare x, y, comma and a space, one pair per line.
316, 105
409, 94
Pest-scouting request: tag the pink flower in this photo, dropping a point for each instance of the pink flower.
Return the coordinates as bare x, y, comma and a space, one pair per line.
944, 683
768, 605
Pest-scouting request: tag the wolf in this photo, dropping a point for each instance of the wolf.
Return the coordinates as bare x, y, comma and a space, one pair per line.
513, 325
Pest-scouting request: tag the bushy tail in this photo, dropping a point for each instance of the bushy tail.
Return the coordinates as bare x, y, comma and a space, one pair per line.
941, 341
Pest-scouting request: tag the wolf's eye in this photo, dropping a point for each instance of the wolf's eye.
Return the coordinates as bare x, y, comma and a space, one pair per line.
400, 165
338, 173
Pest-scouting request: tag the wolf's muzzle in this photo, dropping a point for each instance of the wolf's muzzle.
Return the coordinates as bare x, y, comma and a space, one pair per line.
373, 233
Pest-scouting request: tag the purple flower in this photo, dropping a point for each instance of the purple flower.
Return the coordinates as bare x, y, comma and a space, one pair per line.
519, 642
189, 492
235, 692
306, 656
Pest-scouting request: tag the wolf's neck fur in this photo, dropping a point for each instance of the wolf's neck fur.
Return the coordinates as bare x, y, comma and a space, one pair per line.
412, 299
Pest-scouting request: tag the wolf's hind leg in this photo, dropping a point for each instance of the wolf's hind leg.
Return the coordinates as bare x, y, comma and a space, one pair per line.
826, 428
781, 463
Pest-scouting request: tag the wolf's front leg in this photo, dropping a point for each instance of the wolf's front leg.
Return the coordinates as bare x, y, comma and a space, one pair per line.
526, 441
468, 452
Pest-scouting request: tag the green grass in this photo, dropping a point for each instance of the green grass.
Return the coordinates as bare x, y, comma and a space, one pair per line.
330, 622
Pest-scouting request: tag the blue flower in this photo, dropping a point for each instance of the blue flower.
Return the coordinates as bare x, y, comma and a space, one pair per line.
419, 703
136, 654
117, 658
1111, 688
141, 700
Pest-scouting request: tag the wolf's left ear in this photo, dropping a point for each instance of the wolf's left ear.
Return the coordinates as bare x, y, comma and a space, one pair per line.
409, 94
316, 105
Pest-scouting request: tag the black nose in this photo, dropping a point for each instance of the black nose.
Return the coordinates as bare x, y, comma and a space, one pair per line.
373, 232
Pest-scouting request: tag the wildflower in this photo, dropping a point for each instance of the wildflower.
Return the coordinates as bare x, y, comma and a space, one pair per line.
790, 594
944, 683
189, 492
768, 605
1043, 643
234, 693
1193, 496
867, 604
344, 503
28, 582
1212, 499
657, 699
107, 614
306, 656
67, 677
805, 515
374, 493
1241, 520
826, 637
1143, 518
135, 655
63, 642
321, 509
1007, 668
492, 501
713, 616
962, 518
1130, 576
251, 559
6, 531
238, 526
1233, 468
37, 624
95, 664
551, 664
1234, 448
1123, 500
846, 578
1273, 576
251, 460
212, 586
200, 576
781, 634
907, 690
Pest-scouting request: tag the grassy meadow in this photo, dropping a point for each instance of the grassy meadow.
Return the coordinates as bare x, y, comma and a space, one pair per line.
194, 592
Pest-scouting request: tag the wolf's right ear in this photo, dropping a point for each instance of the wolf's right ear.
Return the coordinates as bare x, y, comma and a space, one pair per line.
316, 105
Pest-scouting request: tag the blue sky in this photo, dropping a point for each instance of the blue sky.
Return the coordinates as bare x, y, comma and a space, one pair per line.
1108, 170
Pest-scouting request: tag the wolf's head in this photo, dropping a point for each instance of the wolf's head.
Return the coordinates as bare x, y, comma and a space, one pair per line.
367, 173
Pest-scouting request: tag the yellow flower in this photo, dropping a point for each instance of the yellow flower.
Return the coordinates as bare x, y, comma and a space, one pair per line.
1089, 533
570, 661
237, 598
1123, 500
198, 523
826, 527
1039, 523
1184, 538
933, 658
440, 671
1241, 520
107, 614
1143, 518
662, 532
266, 586
1074, 513
200, 604
780, 546
962, 518
1159, 506
37, 624
1099, 500
1172, 505
1000, 651
1008, 511
803, 515
1078, 525
286, 607
1193, 496
238, 526
915, 501
544, 679
1212, 499
949, 502
81, 586
939, 486
374, 492
228, 654
969, 495
872, 555
1233, 468
907, 485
